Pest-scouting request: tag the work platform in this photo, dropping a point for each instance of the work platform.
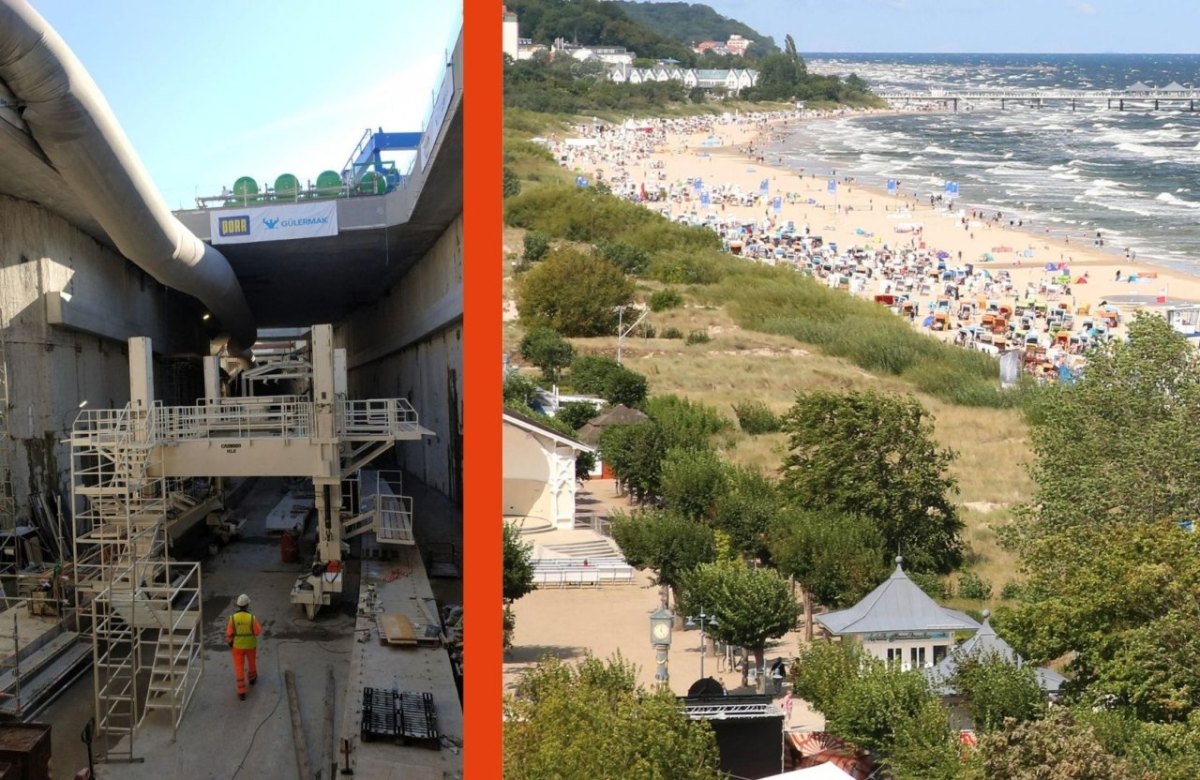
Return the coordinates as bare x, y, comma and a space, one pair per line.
401, 588
144, 609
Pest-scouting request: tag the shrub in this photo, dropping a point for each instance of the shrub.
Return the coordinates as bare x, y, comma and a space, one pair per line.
574, 293
932, 584
671, 333
972, 586
684, 267
756, 417
698, 337
512, 185
663, 300
536, 247
629, 259
1012, 591
604, 377
685, 423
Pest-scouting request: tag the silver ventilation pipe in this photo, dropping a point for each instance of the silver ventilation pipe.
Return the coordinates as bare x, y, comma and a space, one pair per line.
72, 123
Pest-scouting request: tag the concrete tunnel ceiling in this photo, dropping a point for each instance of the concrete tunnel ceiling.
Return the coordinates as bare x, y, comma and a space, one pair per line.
297, 283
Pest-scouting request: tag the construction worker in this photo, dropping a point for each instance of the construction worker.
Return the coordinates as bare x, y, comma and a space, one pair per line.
241, 633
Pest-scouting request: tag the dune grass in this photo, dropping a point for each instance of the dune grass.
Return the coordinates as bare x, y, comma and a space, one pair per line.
739, 364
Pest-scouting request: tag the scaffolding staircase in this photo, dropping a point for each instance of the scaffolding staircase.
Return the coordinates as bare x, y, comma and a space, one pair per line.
380, 510
144, 608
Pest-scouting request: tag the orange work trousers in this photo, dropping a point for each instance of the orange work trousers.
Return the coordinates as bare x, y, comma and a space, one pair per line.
240, 659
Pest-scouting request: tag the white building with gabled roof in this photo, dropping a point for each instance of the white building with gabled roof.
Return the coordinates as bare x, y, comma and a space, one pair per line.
539, 472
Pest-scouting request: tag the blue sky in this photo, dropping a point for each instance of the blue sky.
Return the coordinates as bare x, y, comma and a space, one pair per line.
209, 90
1016, 26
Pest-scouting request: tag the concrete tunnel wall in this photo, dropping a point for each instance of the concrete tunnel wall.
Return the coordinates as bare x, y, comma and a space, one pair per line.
409, 344
52, 368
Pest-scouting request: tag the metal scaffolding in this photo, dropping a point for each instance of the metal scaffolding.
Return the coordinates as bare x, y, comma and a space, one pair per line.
144, 608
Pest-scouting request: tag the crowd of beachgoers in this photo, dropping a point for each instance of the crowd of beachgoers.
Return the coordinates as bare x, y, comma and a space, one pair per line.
978, 277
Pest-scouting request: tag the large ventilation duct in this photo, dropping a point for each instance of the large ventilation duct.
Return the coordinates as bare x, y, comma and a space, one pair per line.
75, 128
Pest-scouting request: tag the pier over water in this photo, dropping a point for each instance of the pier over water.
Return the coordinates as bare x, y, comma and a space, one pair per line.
1138, 97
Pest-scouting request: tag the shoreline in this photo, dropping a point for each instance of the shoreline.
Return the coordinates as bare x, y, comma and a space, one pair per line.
657, 162
1062, 235
1062, 230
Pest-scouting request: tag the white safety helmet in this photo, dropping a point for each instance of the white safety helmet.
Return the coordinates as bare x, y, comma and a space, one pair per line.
243, 600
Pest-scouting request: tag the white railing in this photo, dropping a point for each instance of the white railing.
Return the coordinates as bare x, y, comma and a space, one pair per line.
243, 418
376, 418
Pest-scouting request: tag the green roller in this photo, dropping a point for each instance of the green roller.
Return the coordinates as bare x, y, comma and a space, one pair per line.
245, 190
372, 184
287, 187
329, 184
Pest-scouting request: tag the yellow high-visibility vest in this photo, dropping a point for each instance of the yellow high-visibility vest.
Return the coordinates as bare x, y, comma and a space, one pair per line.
243, 630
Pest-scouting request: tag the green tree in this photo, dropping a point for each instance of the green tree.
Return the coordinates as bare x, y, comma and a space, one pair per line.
874, 705
998, 691
1118, 447
1121, 602
574, 293
925, 748
870, 711
1167, 751
512, 185
592, 722
547, 350
635, 453
823, 670
663, 542
751, 606
518, 565
519, 390
837, 558
778, 78
518, 576
576, 413
626, 387
692, 482
745, 509
608, 379
1052, 747
874, 455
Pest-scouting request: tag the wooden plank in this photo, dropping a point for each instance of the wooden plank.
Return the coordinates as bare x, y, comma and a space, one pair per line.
397, 629
297, 728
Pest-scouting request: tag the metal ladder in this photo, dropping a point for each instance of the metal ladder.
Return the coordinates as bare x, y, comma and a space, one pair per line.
141, 603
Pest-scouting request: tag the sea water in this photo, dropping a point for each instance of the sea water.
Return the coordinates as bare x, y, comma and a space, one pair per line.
1133, 175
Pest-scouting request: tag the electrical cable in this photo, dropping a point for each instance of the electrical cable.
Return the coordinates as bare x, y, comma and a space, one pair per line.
278, 699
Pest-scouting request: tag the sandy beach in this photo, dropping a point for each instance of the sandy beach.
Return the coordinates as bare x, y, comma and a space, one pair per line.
727, 155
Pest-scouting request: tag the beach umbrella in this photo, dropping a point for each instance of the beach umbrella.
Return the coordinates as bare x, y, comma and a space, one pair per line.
1081, 280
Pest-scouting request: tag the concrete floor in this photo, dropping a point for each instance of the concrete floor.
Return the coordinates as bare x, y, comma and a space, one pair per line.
220, 736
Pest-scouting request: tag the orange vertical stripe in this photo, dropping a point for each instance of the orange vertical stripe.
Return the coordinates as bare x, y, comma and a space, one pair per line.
483, 107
